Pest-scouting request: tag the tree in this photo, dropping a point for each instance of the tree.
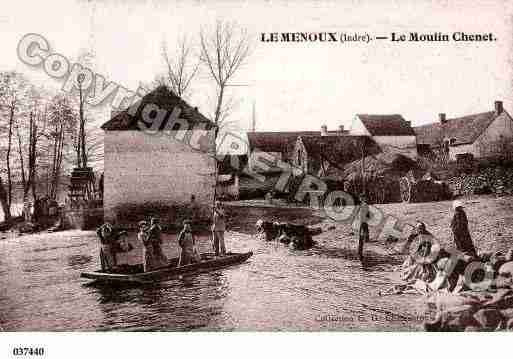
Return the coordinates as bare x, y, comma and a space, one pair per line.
13, 90
223, 52
62, 119
29, 134
181, 67
86, 59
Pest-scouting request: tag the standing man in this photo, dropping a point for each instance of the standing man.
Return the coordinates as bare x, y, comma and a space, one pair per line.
148, 255
363, 230
155, 238
107, 247
218, 228
459, 226
187, 243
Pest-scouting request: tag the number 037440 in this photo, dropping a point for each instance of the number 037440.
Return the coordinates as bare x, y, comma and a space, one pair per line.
28, 351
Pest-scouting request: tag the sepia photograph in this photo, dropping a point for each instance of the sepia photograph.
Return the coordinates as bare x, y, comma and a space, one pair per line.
255, 166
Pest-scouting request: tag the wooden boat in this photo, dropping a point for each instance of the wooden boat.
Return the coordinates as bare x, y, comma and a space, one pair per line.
135, 274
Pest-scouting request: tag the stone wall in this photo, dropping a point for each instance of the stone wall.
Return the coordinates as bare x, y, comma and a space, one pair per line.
498, 180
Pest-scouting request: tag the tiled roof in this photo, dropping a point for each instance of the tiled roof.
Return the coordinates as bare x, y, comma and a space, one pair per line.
338, 150
463, 129
275, 141
164, 99
382, 164
386, 125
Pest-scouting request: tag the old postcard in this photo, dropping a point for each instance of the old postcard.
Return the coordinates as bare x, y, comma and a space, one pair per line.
258, 166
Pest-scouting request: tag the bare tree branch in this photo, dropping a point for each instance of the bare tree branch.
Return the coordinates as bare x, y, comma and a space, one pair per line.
180, 66
223, 52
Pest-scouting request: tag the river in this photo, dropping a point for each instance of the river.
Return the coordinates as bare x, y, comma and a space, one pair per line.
324, 288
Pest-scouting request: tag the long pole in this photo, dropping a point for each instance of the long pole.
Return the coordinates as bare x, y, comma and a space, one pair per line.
363, 167
215, 186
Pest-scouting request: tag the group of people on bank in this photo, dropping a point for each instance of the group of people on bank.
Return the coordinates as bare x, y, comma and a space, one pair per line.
149, 235
459, 229
427, 271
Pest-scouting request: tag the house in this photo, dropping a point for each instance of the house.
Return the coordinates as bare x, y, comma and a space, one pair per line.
391, 132
478, 135
271, 147
156, 171
279, 146
323, 156
340, 132
382, 174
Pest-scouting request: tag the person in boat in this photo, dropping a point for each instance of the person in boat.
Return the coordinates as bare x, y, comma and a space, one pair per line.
459, 226
122, 242
187, 243
148, 249
107, 247
155, 237
218, 228
192, 211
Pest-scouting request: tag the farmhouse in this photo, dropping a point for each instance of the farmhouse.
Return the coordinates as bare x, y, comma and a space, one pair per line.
279, 146
478, 135
157, 171
392, 133
276, 145
322, 155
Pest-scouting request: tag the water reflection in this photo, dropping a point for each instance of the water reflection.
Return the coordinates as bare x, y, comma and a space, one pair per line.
191, 302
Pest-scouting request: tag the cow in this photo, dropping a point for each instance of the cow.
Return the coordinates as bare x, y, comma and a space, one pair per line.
295, 236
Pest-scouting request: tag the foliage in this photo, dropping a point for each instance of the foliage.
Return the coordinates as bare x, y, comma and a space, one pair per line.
38, 138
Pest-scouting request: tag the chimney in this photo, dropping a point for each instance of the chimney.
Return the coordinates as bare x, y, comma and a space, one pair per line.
341, 128
498, 107
195, 109
443, 120
324, 130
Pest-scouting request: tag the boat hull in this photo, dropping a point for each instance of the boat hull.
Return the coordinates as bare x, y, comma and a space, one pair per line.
171, 271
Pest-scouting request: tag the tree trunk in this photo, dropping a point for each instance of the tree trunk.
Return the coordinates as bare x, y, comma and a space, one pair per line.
57, 162
32, 157
82, 142
81, 135
9, 145
22, 164
51, 180
3, 202
218, 108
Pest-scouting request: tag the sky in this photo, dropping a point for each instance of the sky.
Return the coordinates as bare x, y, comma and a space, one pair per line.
294, 86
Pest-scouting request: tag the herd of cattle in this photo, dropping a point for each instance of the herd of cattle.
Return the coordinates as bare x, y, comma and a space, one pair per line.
294, 235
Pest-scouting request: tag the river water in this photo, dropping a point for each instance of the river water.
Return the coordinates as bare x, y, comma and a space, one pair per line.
324, 288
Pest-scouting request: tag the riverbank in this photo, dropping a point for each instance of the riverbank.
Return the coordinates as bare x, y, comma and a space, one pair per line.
490, 219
